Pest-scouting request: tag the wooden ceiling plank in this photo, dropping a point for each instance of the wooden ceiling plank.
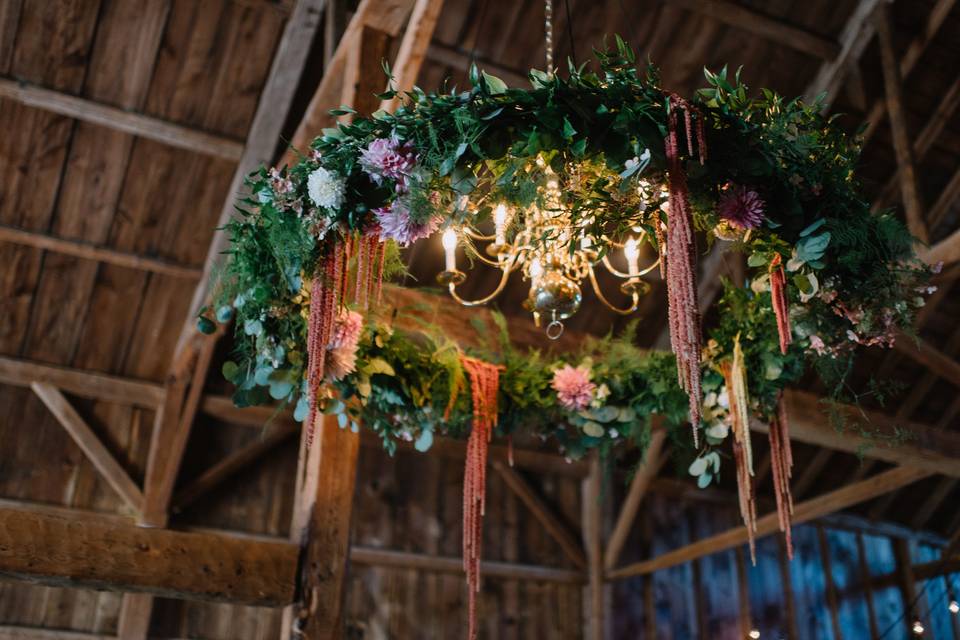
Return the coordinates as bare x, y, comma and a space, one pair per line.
16, 632
87, 384
930, 357
909, 188
854, 38
760, 24
102, 553
413, 47
99, 254
909, 60
137, 124
556, 529
806, 511
654, 458
91, 445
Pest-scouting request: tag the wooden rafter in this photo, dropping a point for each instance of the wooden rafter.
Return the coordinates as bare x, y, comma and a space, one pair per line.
946, 251
909, 189
87, 384
806, 511
909, 60
136, 124
760, 24
555, 527
413, 47
930, 357
93, 252
854, 38
99, 553
91, 445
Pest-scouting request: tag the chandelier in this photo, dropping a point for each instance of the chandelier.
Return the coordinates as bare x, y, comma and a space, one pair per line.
553, 248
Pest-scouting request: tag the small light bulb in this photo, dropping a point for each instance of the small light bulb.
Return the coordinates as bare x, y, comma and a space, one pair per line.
954, 606
754, 634
500, 223
536, 270
918, 628
449, 240
632, 253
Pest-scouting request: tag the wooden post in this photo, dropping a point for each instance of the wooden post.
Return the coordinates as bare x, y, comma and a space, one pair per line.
789, 604
321, 523
907, 583
832, 600
593, 539
867, 587
743, 588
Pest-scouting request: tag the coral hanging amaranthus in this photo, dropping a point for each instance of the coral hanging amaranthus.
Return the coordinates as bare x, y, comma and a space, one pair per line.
681, 260
484, 384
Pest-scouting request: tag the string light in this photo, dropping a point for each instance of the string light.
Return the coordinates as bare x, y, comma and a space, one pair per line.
918, 628
754, 634
954, 606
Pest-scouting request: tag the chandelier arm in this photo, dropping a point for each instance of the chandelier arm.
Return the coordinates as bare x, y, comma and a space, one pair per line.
635, 297
482, 301
622, 274
476, 235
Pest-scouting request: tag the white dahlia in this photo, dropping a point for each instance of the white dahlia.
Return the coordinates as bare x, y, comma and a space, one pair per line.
326, 189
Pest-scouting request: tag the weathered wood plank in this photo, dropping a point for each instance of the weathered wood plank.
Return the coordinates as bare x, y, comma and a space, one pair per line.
104, 554
88, 384
803, 512
454, 565
88, 441
413, 47
93, 252
854, 38
136, 124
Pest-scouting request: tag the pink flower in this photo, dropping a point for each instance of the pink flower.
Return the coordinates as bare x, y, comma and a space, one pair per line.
397, 225
340, 362
817, 344
346, 330
384, 158
741, 207
573, 387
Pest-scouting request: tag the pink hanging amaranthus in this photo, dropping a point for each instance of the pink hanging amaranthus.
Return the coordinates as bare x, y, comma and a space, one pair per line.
484, 383
680, 258
781, 309
781, 464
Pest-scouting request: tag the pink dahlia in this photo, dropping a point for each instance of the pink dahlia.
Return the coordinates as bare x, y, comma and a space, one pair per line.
346, 330
340, 362
741, 207
385, 158
573, 387
397, 225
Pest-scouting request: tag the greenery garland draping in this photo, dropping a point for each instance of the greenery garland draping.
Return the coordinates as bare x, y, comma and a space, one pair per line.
778, 181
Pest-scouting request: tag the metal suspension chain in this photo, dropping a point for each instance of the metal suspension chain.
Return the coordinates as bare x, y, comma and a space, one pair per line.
548, 29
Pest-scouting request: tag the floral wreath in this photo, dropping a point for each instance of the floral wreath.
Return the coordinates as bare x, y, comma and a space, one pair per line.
315, 241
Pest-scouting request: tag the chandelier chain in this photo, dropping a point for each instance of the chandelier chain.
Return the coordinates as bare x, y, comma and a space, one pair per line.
548, 32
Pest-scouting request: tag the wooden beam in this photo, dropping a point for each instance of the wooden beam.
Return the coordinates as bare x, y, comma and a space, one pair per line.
99, 254
133, 620
930, 357
16, 632
948, 196
594, 622
760, 24
322, 522
87, 384
946, 251
909, 60
440, 564
871, 434
854, 38
653, 460
262, 138
934, 501
865, 579
101, 553
234, 463
413, 47
136, 124
544, 514
88, 441
806, 511
909, 189
831, 587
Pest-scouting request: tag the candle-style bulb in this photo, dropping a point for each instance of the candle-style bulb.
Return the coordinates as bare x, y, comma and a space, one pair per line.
632, 253
449, 240
500, 223
536, 271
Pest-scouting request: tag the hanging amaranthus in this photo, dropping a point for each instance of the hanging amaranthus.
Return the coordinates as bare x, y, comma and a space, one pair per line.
680, 257
370, 257
484, 383
778, 293
781, 464
734, 374
326, 295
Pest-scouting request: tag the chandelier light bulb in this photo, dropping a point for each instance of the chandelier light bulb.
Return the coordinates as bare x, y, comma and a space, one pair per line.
918, 628
954, 606
500, 223
450, 247
754, 634
632, 253
536, 271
